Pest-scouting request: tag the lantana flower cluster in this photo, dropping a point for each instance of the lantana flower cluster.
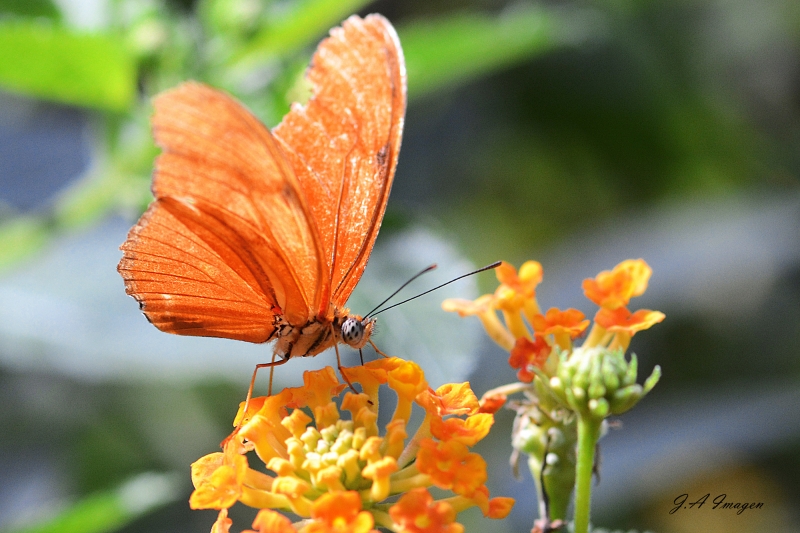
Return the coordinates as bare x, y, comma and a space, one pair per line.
340, 474
530, 345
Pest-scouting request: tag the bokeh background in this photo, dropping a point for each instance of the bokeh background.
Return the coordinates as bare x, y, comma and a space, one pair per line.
578, 133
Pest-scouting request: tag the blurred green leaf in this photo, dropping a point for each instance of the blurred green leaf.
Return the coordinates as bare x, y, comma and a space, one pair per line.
50, 62
452, 50
21, 237
88, 200
110, 510
30, 8
306, 21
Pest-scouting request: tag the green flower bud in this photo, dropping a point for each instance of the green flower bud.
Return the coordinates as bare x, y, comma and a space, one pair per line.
625, 398
632, 370
597, 389
599, 407
610, 376
603, 382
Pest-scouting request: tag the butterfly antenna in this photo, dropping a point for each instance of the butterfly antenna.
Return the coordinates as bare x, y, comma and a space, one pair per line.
415, 276
487, 267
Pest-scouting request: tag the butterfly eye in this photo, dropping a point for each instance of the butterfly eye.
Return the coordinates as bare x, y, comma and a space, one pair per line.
352, 331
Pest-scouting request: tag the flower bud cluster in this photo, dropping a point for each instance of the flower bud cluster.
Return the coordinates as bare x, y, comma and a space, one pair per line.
599, 382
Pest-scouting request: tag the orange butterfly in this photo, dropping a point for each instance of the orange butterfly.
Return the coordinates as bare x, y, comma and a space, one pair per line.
257, 235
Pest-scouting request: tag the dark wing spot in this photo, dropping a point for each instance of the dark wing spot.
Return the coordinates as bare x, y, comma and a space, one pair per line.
381, 156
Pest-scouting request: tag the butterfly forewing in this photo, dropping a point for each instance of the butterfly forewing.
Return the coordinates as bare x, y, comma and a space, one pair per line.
344, 143
225, 184
253, 235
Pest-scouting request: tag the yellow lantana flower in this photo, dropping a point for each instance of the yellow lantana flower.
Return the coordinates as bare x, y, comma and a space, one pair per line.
344, 474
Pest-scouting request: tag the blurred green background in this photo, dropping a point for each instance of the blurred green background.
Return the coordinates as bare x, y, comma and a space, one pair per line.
577, 133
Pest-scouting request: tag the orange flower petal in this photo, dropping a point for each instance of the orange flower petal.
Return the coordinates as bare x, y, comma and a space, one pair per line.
296, 422
451, 466
407, 380
267, 435
204, 467
614, 288
362, 412
555, 321
493, 403
457, 399
223, 523
622, 320
500, 507
524, 283
220, 490
394, 441
417, 512
370, 375
319, 387
269, 521
379, 472
468, 431
527, 354
339, 512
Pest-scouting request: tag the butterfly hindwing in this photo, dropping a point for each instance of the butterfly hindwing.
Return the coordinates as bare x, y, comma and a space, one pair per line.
343, 144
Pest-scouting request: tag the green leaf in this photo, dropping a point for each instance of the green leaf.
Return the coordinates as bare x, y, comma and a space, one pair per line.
20, 237
110, 510
308, 20
54, 63
462, 47
30, 8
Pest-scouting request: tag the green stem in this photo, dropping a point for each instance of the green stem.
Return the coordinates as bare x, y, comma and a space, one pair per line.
588, 434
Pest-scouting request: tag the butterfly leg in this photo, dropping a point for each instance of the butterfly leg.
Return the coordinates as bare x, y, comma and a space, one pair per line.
271, 365
341, 369
377, 350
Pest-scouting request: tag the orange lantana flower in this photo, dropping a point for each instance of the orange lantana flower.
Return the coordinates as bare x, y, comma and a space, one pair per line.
451, 465
611, 289
344, 474
528, 354
515, 299
339, 512
417, 512
563, 325
523, 283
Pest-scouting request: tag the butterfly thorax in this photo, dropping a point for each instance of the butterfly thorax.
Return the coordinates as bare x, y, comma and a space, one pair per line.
317, 335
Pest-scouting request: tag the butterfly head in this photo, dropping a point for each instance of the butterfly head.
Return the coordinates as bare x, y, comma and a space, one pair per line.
356, 331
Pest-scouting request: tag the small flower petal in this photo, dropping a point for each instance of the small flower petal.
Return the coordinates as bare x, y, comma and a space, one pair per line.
223, 523
527, 354
339, 512
614, 288
379, 472
622, 320
451, 466
556, 321
492, 403
500, 507
468, 431
417, 512
269, 521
